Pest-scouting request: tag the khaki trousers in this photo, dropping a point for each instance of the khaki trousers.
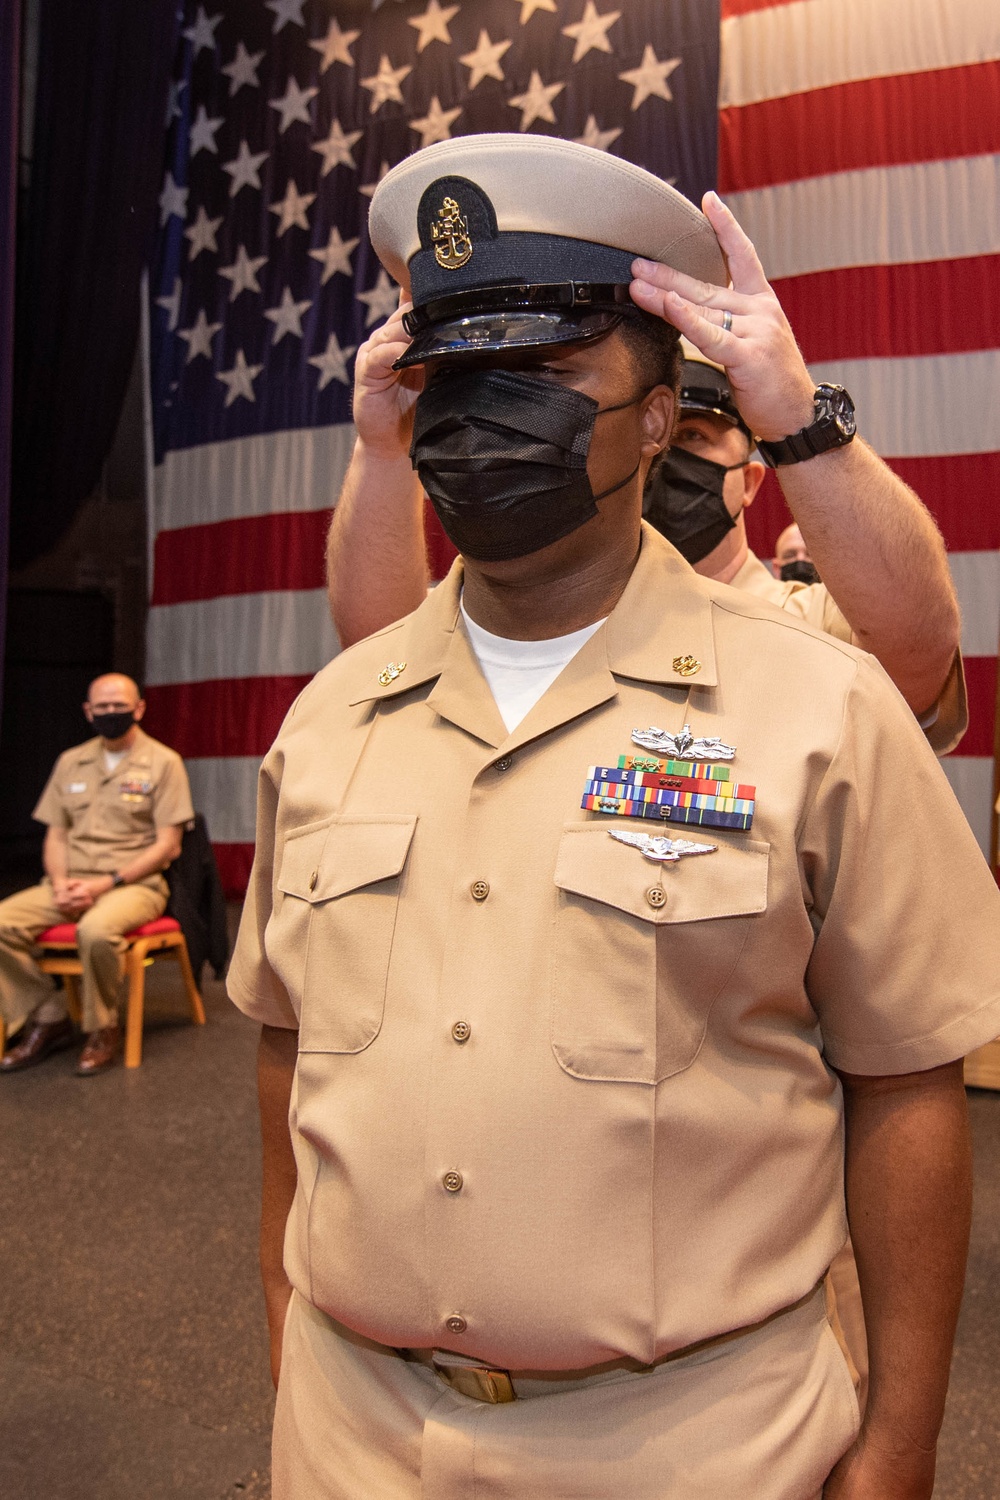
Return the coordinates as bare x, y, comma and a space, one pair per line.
762, 1417
23, 986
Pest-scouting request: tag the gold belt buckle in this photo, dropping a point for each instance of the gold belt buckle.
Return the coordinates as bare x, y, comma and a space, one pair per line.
478, 1383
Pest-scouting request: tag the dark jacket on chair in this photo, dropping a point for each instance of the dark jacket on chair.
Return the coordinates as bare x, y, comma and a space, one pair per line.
197, 901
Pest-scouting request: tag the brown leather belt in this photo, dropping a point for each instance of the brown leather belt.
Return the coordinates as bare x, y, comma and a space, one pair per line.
481, 1382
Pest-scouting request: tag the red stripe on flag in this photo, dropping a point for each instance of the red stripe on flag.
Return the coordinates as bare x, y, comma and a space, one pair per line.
869, 122
981, 684
234, 861
744, 7
231, 716
872, 312
250, 555
959, 490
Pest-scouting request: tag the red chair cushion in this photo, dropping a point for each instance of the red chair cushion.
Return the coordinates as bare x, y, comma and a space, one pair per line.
65, 932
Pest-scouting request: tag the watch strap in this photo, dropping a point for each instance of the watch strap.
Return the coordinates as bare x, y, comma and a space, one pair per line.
822, 435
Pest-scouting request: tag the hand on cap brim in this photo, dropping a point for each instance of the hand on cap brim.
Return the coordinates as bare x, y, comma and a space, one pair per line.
767, 374
383, 397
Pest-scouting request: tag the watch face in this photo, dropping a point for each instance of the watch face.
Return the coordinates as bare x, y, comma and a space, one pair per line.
836, 405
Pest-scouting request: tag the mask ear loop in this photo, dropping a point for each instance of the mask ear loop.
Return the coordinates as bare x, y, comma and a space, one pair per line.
622, 406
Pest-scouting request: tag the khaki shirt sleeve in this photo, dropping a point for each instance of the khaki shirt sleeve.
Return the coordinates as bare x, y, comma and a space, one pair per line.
172, 795
813, 603
251, 981
905, 972
50, 807
946, 722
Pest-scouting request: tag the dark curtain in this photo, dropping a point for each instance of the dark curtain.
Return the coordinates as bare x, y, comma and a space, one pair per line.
91, 211
9, 66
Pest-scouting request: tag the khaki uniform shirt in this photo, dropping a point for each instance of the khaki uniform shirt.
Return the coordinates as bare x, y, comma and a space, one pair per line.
946, 721
534, 1096
110, 815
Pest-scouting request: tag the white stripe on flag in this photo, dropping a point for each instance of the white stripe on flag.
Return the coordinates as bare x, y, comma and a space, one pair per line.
935, 210
814, 44
280, 634
252, 476
971, 778
910, 408
977, 583
225, 790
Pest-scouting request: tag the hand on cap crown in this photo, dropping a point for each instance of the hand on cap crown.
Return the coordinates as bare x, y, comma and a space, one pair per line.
384, 398
768, 376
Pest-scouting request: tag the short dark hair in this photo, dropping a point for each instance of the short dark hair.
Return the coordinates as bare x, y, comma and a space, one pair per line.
655, 347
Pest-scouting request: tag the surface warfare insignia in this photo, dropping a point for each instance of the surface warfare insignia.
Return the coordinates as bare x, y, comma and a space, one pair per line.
450, 237
661, 850
682, 746
390, 672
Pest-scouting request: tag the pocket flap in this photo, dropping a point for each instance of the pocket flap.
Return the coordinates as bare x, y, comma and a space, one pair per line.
729, 882
318, 864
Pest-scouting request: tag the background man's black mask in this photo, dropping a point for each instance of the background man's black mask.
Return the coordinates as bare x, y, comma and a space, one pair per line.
113, 726
800, 570
503, 457
683, 500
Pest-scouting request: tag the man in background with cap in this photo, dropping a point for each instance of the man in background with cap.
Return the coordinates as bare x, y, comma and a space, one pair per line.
875, 545
584, 918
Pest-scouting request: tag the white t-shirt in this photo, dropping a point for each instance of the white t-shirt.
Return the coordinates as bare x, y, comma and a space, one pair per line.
519, 672
113, 758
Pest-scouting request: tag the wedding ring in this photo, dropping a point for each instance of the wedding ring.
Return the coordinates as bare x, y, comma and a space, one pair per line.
727, 322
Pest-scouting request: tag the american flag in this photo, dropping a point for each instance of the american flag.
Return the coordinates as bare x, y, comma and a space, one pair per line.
855, 142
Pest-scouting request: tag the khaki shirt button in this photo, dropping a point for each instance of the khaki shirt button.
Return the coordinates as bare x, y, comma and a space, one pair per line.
461, 1031
456, 1323
504, 763
656, 896
480, 889
452, 1182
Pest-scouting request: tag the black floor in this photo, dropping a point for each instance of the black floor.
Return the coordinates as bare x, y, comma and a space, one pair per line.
132, 1353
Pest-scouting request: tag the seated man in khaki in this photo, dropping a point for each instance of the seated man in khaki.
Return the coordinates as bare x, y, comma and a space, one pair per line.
115, 807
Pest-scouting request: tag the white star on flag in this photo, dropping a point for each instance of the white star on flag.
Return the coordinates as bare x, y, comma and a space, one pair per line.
650, 77
536, 104
172, 304
243, 273
435, 124
594, 136
528, 8
202, 31
335, 46
336, 256
291, 209
592, 31
336, 149
244, 169
174, 101
202, 234
203, 132
381, 300
242, 71
485, 61
173, 200
239, 380
287, 316
433, 24
199, 337
286, 13
370, 187
293, 105
385, 83
332, 363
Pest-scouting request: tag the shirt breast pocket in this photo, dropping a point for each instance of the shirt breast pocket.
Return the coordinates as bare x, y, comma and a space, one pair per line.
330, 937
634, 975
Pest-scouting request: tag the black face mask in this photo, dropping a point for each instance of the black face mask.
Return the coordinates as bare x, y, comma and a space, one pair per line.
683, 500
503, 457
113, 726
800, 570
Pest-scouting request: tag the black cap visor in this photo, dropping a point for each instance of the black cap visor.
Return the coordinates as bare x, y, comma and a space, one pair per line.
491, 320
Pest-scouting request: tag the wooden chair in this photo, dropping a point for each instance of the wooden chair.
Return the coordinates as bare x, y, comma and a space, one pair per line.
160, 939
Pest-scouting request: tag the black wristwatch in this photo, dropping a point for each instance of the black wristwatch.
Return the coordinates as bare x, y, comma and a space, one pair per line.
833, 427
117, 879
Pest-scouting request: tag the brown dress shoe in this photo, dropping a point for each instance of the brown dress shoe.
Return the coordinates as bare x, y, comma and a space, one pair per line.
39, 1038
99, 1052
